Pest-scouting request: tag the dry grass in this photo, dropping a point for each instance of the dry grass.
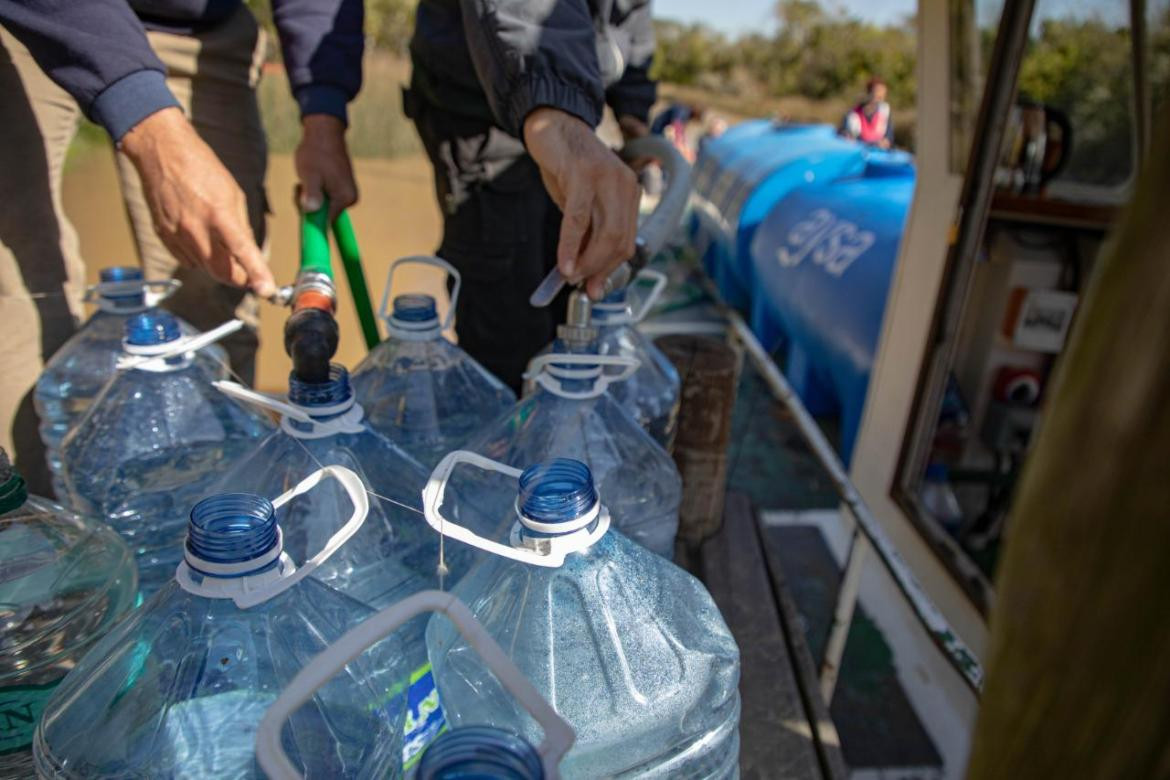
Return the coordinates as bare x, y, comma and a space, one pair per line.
377, 127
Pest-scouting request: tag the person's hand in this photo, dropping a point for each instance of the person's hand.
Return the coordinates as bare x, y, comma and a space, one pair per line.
597, 193
323, 166
199, 210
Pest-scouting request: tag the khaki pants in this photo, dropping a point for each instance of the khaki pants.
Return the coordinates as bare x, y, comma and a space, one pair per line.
213, 74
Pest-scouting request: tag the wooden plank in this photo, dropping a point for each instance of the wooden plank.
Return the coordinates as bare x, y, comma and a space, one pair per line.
775, 735
827, 740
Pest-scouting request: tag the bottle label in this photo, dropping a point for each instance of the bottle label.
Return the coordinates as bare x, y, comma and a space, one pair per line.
20, 709
424, 715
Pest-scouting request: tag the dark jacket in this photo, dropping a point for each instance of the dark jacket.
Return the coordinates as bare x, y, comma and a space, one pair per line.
98, 52
500, 59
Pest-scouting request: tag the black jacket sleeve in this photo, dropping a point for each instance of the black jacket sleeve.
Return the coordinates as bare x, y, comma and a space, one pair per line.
322, 43
97, 51
635, 92
533, 53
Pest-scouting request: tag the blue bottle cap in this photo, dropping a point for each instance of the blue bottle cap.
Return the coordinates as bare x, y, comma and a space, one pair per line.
558, 491
151, 328
124, 296
480, 753
415, 307
121, 273
335, 390
232, 528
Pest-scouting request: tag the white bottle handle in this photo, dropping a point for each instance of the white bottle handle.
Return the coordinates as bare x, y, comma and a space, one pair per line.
632, 318
558, 734
137, 356
243, 593
552, 556
356, 490
435, 262
348, 419
249, 396
545, 371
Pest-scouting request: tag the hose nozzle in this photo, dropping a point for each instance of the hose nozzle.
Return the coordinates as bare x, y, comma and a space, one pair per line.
310, 333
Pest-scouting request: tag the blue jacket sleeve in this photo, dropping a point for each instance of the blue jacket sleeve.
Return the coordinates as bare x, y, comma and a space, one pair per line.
635, 92
96, 51
533, 53
322, 44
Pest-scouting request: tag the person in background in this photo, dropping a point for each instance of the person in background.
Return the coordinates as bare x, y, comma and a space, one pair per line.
671, 123
870, 121
173, 82
505, 96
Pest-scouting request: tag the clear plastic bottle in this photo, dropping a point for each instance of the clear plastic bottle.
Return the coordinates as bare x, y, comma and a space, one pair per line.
64, 581
153, 442
628, 648
178, 688
421, 391
83, 365
572, 413
470, 752
394, 554
652, 392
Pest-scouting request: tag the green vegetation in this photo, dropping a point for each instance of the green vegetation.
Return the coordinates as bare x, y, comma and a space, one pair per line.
815, 54
818, 61
812, 69
1084, 69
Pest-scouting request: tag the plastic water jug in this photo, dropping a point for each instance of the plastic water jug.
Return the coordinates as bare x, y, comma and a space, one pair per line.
420, 390
64, 581
155, 439
651, 393
178, 688
626, 646
467, 752
395, 554
84, 363
570, 413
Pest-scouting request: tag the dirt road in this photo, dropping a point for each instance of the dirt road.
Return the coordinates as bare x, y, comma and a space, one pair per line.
397, 216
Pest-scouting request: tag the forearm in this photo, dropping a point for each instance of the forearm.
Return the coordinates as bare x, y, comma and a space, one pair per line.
322, 43
534, 53
634, 95
97, 52
635, 92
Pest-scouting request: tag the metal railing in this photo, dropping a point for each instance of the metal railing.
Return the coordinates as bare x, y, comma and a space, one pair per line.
868, 536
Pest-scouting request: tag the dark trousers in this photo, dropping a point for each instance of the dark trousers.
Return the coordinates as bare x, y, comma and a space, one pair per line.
500, 230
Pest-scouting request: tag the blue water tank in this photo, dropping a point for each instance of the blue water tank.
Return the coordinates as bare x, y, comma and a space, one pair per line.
821, 263
741, 175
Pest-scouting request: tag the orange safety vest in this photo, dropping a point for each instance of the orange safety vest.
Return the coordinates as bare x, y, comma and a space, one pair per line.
869, 129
